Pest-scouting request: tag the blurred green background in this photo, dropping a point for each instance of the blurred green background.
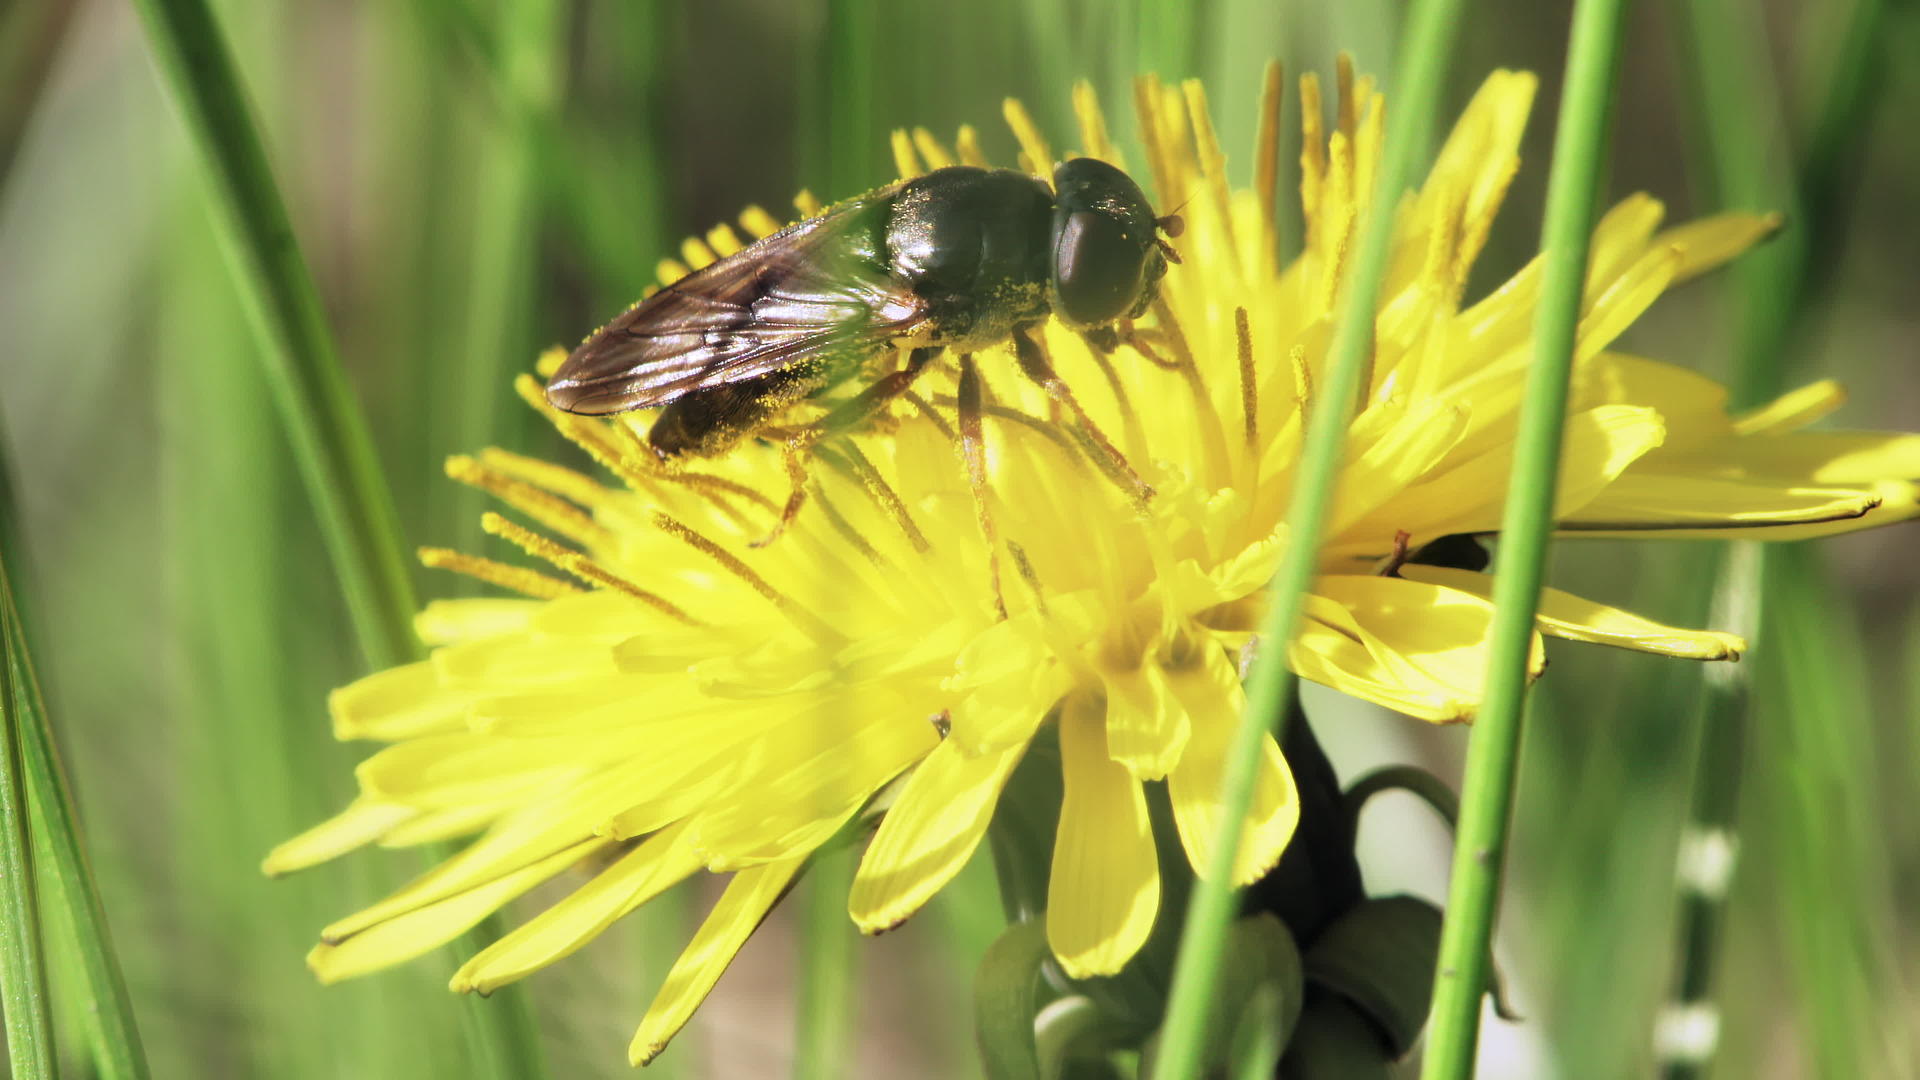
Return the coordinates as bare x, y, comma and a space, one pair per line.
475, 179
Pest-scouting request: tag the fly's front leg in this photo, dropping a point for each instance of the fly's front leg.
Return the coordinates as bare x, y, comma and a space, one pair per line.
973, 450
1035, 365
846, 416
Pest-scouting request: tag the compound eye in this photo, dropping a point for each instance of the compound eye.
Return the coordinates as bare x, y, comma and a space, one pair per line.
1097, 269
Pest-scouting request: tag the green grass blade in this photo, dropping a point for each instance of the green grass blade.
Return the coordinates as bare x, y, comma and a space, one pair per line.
328, 434
505, 228
330, 439
1461, 976
1812, 712
1416, 88
23, 969
66, 879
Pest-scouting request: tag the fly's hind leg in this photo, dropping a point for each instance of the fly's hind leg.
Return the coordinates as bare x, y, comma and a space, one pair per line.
846, 416
973, 450
1035, 365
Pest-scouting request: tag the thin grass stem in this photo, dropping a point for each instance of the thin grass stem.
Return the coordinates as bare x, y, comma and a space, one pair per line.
23, 968
1416, 87
1461, 977
328, 434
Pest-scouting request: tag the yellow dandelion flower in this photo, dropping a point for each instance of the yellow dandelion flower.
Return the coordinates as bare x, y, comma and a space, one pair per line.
677, 700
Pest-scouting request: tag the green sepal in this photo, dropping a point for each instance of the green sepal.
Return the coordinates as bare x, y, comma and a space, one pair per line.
1333, 1040
1379, 956
1006, 998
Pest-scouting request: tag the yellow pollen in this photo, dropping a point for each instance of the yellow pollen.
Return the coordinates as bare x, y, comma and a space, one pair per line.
521, 579
670, 270
1302, 376
549, 510
806, 203
846, 528
549, 362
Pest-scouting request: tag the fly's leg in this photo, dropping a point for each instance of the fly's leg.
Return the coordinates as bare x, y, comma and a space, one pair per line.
973, 449
848, 415
1035, 365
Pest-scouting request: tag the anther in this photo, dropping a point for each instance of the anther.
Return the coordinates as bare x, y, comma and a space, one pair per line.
579, 565
549, 510
1249, 391
728, 561
521, 579
1027, 574
856, 464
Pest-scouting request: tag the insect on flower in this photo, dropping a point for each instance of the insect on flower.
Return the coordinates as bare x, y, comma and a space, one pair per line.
961, 258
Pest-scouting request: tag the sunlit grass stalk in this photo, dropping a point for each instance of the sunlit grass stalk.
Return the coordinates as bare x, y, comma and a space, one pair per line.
827, 970
1461, 976
498, 328
23, 969
1416, 89
329, 437
1750, 169
330, 440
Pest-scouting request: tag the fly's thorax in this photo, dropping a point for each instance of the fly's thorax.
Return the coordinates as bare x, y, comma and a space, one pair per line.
974, 244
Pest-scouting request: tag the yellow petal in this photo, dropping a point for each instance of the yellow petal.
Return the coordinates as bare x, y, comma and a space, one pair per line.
361, 823
1146, 728
444, 622
429, 927
928, 834
1600, 444
1811, 457
1104, 887
662, 861
749, 896
1322, 654
1421, 631
398, 703
1212, 693
1713, 241
1565, 615
1675, 502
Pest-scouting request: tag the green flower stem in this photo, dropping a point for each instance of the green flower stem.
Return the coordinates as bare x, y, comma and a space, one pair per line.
1462, 975
329, 436
827, 967
23, 968
330, 440
1416, 90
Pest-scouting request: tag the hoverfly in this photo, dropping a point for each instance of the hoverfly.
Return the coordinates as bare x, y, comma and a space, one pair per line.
961, 258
